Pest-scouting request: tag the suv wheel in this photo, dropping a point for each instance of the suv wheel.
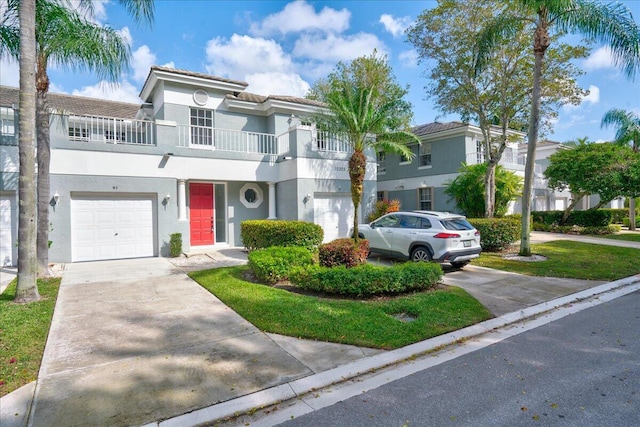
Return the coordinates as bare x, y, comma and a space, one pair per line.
420, 253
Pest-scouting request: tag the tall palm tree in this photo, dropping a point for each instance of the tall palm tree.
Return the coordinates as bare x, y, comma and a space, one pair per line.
366, 107
65, 38
611, 24
628, 132
27, 288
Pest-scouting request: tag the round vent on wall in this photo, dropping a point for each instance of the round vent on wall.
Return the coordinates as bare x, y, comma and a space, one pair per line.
200, 97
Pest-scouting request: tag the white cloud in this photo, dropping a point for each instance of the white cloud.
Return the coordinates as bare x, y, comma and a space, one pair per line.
124, 92
594, 95
244, 55
599, 59
276, 83
409, 58
395, 26
99, 14
300, 16
126, 35
337, 48
9, 72
141, 60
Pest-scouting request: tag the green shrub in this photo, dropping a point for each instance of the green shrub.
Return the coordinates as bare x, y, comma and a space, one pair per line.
271, 265
258, 234
576, 229
497, 234
588, 218
618, 215
546, 217
175, 244
367, 279
343, 252
383, 207
626, 221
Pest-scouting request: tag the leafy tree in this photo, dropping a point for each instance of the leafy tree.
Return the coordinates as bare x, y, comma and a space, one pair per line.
607, 170
27, 288
497, 98
366, 107
627, 132
611, 24
67, 39
467, 189
584, 140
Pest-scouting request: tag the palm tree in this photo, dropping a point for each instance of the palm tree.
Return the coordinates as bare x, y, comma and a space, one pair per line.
27, 288
65, 38
628, 131
366, 108
611, 24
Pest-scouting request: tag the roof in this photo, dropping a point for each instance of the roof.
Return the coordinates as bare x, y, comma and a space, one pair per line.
76, 104
436, 127
540, 144
260, 99
195, 74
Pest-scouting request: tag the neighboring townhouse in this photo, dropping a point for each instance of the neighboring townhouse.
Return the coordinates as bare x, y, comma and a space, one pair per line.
419, 183
198, 156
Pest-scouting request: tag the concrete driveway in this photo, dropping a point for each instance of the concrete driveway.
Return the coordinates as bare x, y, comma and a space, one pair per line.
135, 341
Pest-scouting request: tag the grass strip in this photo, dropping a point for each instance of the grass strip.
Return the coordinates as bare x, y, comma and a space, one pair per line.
571, 259
627, 237
23, 334
368, 323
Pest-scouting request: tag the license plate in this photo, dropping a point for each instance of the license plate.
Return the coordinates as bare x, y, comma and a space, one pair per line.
466, 243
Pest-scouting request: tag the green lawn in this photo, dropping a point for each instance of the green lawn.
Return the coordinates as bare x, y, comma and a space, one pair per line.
366, 323
571, 259
23, 334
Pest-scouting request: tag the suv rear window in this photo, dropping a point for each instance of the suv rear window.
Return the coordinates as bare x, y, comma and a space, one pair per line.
456, 224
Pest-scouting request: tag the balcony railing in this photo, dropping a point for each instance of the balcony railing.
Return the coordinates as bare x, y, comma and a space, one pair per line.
227, 140
508, 159
331, 142
111, 130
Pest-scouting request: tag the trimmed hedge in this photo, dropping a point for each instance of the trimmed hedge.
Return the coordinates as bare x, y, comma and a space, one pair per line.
497, 234
343, 252
367, 279
588, 218
576, 229
271, 265
264, 233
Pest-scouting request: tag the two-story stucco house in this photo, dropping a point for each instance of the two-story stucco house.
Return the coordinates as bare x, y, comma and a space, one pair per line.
419, 183
197, 157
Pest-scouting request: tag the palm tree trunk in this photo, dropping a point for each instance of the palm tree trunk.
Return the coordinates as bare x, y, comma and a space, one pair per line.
632, 213
27, 289
357, 169
540, 45
44, 155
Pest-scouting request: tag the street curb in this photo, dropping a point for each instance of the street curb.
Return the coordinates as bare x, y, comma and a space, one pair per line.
302, 386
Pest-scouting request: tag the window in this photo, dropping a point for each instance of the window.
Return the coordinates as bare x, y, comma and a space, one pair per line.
7, 121
78, 132
425, 154
380, 158
479, 151
201, 127
404, 160
381, 195
425, 199
114, 136
251, 195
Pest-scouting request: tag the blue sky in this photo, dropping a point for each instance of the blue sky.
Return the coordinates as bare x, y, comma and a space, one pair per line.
282, 47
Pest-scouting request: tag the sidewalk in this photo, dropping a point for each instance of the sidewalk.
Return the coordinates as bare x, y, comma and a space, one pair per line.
134, 342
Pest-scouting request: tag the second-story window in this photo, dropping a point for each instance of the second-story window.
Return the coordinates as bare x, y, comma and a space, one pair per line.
405, 160
7, 121
115, 136
380, 158
201, 122
78, 132
425, 154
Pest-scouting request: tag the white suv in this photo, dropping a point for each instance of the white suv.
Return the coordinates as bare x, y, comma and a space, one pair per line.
423, 236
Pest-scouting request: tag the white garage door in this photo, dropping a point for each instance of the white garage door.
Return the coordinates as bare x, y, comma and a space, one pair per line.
111, 228
7, 238
335, 215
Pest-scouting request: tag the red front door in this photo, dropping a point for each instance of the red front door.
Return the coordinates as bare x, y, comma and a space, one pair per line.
201, 214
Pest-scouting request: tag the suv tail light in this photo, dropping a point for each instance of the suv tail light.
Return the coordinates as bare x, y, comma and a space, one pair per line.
477, 233
447, 236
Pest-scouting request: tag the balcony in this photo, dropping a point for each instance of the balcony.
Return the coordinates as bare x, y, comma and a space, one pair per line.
509, 160
331, 142
110, 130
207, 138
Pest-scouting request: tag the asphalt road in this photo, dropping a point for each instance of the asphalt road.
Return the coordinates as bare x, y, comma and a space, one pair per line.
581, 370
